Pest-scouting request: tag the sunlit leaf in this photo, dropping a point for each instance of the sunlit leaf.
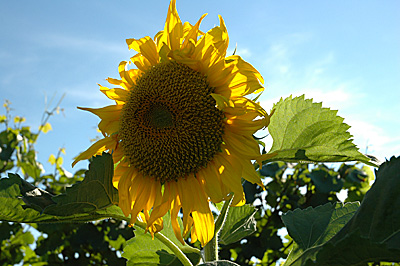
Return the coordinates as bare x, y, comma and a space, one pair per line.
45, 128
19, 119
52, 159
303, 131
3, 118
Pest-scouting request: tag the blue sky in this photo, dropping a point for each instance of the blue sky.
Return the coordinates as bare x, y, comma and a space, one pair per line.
343, 53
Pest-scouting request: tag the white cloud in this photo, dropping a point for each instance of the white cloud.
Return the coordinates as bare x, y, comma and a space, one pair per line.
278, 59
320, 78
71, 42
373, 139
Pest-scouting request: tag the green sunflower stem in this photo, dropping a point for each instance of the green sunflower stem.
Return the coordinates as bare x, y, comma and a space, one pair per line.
166, 241
178, 252
211, 248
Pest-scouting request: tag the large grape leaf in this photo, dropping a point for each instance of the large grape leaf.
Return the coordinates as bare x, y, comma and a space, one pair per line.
371, 235
92, 199
143, 250
312, 227
303, 131
239, 223
95, 192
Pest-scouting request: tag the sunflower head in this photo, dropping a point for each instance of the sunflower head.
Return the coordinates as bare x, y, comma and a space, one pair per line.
181, 129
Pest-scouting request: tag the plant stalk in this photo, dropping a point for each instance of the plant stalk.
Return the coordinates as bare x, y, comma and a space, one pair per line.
211, 248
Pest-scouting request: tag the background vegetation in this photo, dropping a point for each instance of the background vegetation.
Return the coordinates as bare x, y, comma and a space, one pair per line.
290, 187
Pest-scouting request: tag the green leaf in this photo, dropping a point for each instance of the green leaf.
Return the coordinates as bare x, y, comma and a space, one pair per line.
219, 263
326, 182
45, 128
34, 197
16, 193
239, 223
12, 207
95, 192
313, 227
143, 250
303, 131
8, 142
371, 235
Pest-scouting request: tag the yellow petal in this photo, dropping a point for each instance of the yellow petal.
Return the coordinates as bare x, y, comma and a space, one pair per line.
118, 172
111, 112
118, 83
155, 227
193, 33
230, 169
211, 181
109, 127
220, 101
244, 66
203, 227
211, 48
118, 154
172, 191
124, 185
141, 62
98, 147
146, 47
123, 73
241, 105
244, 79
116, 94
238, 200
245, 146
250, 174
173, 29
244, 124
143, 194
219, 73
195, 201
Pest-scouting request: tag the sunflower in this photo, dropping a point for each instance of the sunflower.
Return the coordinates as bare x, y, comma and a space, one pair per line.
181, 129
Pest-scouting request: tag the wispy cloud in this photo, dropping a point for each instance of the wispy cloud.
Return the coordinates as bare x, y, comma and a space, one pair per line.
318, 78
72, 42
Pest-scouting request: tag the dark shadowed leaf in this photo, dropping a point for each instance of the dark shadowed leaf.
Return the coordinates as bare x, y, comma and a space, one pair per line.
34, 197
371, 235
303, 131
239, 223
312, 227
325, 182
95, 192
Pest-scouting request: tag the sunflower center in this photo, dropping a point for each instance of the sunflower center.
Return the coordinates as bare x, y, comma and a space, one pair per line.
159, 116
170, 127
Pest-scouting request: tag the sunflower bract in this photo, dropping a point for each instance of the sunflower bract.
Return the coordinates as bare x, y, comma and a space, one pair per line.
181, 129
